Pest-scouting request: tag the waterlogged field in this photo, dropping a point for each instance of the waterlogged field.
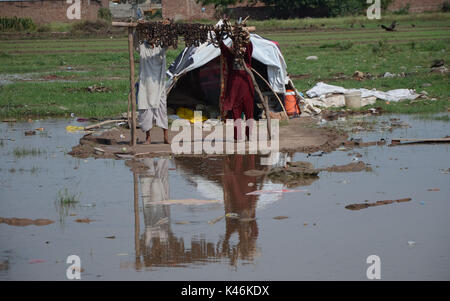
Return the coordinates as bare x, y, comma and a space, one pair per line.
208, 219
48, 76
215, 218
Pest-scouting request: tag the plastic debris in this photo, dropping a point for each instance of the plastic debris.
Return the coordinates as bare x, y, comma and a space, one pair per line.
74, 129
232, 215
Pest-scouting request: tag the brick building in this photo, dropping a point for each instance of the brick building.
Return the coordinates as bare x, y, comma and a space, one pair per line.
417, 6
190, 9
45, 11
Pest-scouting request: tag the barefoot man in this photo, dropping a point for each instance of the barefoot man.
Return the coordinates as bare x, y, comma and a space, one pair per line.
151, 98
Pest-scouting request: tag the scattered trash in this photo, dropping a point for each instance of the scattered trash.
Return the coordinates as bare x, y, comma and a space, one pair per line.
411, 243
122, 254
74, 129
33, 261
312, 58
40, 129
434, 189
30, 133
322, 89
111, 237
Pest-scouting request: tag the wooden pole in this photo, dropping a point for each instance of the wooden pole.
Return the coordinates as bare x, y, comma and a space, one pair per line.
263, 100
137, 223
133, 93
274, 93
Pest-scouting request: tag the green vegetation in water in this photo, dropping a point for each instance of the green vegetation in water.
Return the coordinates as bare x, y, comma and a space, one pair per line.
66, 198
64, 202
20, 152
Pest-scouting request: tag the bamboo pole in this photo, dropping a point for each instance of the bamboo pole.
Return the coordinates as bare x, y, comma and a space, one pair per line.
263, 100
102, 123
133, 94
274, 93
137, 223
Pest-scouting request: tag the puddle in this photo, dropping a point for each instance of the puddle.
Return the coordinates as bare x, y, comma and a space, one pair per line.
217, 219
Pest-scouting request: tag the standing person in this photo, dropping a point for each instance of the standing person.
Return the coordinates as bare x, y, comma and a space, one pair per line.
239, 89
152, 98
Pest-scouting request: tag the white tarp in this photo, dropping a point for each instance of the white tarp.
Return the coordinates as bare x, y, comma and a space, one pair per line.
265, 51
321, 89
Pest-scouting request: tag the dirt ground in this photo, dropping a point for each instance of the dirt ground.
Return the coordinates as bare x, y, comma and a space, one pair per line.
298, 135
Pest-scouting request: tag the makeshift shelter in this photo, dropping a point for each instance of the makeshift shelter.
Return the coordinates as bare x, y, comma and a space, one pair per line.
194, 78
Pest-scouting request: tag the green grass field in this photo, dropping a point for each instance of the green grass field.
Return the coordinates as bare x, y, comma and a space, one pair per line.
48, 76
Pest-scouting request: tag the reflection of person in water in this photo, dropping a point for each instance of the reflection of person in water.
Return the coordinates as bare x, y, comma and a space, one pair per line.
235, 186
155, 188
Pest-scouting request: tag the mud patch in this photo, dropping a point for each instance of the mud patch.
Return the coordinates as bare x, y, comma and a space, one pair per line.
296, 174
23, 222
351, 167
298, 135
379, 203
84, 220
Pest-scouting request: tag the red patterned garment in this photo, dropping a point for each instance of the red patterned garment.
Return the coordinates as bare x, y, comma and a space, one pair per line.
238, 85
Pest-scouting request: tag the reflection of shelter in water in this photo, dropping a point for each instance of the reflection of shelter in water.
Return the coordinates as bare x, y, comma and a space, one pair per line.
158, 246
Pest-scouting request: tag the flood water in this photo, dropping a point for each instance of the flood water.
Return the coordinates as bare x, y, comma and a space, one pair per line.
314, 236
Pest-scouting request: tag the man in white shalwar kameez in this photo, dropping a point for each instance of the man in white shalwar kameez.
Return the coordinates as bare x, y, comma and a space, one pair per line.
151, 98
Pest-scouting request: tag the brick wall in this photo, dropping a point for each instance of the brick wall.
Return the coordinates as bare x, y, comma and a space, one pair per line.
417, 6
190, 9
186, 10
45, 11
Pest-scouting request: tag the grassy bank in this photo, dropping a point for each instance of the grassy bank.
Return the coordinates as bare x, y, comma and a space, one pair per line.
50, 77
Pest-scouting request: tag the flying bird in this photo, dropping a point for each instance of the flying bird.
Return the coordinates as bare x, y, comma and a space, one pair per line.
391, 27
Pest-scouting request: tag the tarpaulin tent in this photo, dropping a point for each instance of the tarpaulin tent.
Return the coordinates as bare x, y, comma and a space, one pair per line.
194, 76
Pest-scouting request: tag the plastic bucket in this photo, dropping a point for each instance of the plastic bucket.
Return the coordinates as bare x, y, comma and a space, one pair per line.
290, 103
353, 100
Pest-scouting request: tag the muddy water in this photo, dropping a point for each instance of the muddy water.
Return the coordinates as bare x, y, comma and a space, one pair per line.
120, 231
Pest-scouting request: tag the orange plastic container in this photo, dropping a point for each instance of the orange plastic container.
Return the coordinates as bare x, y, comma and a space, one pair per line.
290, 103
